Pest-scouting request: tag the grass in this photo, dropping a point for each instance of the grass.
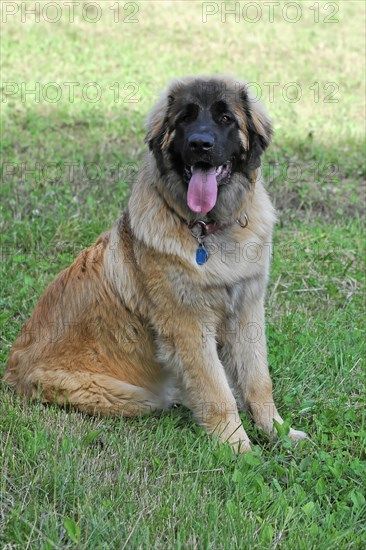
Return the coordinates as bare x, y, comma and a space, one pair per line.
71, 481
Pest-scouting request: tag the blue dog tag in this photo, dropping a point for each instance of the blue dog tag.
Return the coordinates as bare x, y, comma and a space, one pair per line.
201, 255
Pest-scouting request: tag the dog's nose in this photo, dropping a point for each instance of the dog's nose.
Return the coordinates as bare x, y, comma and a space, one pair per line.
201, 142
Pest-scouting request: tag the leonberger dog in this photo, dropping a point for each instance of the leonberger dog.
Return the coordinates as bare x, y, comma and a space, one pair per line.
167, 307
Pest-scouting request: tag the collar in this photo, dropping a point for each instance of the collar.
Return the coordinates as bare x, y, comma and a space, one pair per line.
201, 229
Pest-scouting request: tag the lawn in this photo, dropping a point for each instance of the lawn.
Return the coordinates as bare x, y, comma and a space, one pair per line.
74, 97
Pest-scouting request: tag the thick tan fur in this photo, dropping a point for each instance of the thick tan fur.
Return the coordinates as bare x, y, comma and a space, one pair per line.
135, 325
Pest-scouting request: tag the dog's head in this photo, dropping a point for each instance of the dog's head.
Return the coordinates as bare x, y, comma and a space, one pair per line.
207, 130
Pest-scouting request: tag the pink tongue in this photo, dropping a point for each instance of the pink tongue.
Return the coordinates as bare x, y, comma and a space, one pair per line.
202, 190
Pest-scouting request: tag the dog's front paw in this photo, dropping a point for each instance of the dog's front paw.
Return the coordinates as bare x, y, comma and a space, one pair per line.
297, 435
241, 447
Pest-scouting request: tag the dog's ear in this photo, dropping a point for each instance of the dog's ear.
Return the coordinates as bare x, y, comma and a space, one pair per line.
158, 121
259, 128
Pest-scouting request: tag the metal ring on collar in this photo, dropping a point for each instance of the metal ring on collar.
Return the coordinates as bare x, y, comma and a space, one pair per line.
244, 223
202, 225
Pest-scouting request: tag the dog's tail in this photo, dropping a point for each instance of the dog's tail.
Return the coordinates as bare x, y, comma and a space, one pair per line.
91, 393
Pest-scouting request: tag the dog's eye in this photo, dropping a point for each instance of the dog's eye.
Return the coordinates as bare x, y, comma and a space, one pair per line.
188, 114
226, 119
186, 117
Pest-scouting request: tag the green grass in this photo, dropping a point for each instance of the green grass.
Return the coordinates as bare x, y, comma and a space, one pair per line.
71, 481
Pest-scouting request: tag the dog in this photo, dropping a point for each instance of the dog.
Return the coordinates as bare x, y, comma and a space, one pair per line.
167, 307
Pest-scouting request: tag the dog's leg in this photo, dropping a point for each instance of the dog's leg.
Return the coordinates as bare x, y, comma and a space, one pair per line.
202, 378
88, 392
244, 354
